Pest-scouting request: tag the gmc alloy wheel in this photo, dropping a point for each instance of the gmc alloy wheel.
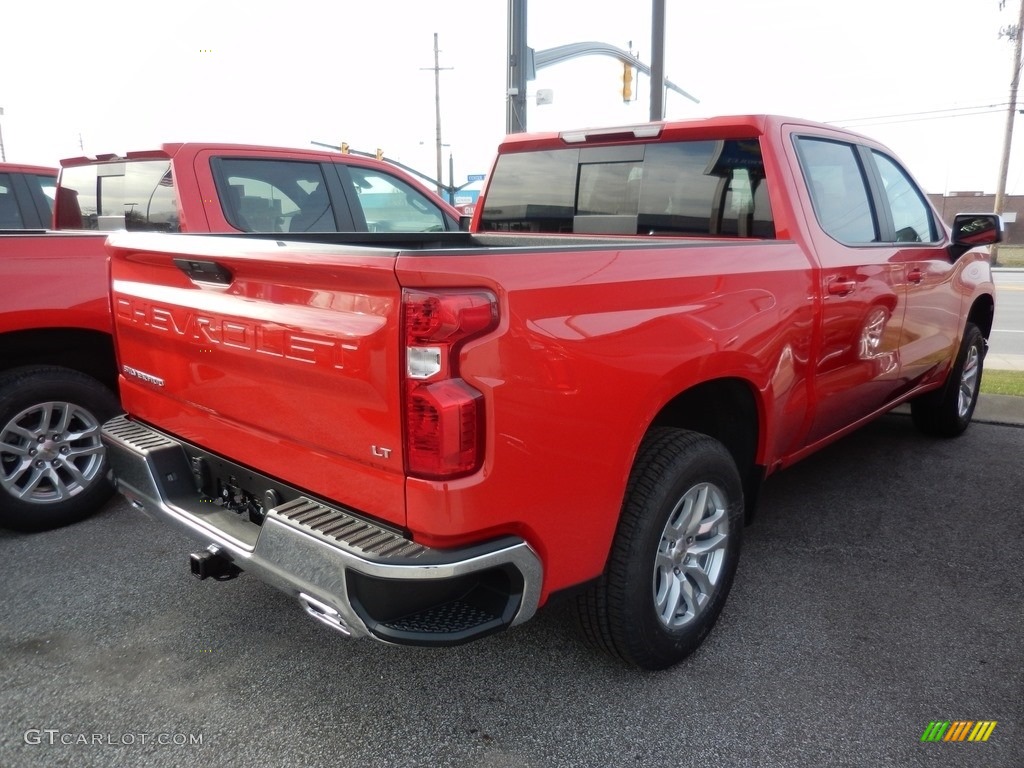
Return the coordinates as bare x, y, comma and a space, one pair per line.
53, 468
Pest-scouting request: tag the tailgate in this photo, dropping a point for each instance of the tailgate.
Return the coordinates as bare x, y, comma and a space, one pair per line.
282, 356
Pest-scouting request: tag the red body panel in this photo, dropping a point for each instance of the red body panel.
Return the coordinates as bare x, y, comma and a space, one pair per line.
54, 281
587, 354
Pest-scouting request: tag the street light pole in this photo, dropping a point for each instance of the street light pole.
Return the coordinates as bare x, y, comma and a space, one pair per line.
657, 60
451, 179
518, 53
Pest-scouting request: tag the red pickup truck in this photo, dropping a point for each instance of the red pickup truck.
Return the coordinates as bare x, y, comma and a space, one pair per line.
57, 366
424, 439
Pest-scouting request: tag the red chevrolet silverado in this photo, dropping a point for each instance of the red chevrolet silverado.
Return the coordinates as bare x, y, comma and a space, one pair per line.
425, 438
57, 368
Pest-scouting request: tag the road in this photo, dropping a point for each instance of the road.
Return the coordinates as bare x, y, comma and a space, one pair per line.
879, 589
1008, 329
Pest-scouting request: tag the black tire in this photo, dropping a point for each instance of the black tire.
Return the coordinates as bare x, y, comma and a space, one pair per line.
630, 612
948, 411
53, 470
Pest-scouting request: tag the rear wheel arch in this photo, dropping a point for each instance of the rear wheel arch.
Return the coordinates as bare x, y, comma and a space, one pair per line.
86, 351
729, 411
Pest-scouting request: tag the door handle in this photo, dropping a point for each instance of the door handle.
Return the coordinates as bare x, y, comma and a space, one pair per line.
203, 271
915, 275
841, 287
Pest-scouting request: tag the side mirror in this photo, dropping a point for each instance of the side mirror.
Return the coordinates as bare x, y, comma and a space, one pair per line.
464, 221
974, 229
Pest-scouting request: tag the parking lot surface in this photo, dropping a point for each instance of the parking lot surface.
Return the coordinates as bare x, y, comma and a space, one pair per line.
880, 589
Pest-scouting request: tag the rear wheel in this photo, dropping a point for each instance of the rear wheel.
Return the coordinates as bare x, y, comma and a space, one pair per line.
53, 468
948, 411
674, 554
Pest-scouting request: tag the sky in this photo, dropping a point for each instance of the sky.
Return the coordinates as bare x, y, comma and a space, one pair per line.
928, 78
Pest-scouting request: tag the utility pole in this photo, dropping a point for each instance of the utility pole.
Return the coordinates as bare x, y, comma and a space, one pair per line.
1015, 33
437, 109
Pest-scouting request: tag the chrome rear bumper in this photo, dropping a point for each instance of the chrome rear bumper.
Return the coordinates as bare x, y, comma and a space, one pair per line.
351, 573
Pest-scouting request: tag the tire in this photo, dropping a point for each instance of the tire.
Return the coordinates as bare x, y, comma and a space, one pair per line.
674, 554
53, 468
947, 412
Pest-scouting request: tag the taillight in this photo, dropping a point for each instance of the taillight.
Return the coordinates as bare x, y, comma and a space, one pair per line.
444, 416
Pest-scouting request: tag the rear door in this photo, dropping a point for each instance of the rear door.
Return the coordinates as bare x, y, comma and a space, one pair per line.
862, 286
286, 359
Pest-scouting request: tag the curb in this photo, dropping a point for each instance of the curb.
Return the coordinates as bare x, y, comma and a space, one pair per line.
1000, 410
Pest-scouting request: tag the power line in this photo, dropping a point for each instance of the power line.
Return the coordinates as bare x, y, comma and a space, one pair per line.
930, 114
926, 119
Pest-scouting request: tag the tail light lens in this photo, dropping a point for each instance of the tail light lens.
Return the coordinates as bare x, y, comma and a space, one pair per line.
444, 416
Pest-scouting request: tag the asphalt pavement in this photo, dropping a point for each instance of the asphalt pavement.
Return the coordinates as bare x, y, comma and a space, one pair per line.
879, 590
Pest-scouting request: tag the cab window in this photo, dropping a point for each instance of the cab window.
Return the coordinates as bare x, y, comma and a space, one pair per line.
911, 215
838, 190
274, 195
48, 186
388, 204
10, 212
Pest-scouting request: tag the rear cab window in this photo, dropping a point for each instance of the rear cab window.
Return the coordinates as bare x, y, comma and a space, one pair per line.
713, 188
137, 195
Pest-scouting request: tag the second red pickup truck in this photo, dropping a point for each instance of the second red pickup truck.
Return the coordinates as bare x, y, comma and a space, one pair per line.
424, 439
58, 374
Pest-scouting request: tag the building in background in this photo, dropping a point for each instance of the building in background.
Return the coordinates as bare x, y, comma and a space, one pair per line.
953, 203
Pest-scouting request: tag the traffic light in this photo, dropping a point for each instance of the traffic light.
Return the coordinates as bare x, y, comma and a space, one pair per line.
380, 153
627, 82
344, 148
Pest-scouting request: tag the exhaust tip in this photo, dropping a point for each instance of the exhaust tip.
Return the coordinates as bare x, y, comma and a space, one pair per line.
324, 613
